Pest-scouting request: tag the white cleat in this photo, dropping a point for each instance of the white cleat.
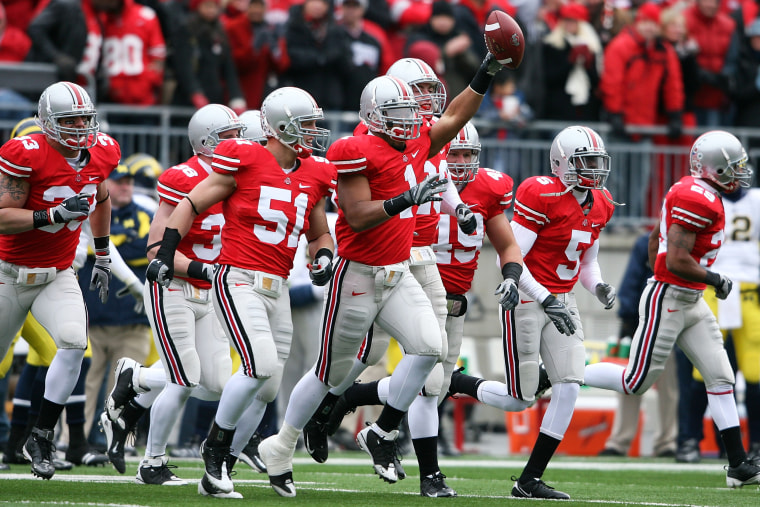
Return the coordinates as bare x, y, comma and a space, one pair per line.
279, 463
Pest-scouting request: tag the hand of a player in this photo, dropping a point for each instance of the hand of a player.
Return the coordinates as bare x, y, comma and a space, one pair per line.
160, 272
73, 208
320, 271
466, 219
559, 314
723, 288
507, 295
491, 64
135, 289
101, 276
427, 191
606, 294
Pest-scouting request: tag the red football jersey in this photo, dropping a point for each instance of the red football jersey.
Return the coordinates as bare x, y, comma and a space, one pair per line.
390, 172
696, 206
427, 215
564, 231
52, 180
488, 195
133, 47
270, 208
203, 242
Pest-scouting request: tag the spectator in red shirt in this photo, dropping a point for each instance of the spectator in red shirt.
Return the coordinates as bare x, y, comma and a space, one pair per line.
14, 45
257, 50
716, 34
640, 70
134, 52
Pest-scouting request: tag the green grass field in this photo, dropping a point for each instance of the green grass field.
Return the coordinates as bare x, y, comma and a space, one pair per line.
347, 480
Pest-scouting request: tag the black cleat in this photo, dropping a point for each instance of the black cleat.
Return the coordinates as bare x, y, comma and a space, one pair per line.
315, 440
544, 384
155, 471
215, 461
124, 389
748, 472
250, 454
383, 452
434, 486
116, 438
39, 449
86, 456
536, 488
339, 411
688, 452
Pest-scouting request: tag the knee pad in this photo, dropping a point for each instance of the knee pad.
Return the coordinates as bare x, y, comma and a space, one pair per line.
434, 382
269, 390
72, 336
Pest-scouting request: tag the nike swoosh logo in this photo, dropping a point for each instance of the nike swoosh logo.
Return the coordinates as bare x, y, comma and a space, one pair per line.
92, 178
415, 153
671, 311
240, 284
523, 301
596, 225
301, 185
174, 290
357, 293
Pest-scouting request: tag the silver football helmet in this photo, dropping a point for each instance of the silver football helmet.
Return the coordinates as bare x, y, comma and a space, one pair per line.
284, 111
467, 140
253, 129
578, 157
416, 73
66, 100
207, 123
720, 157
388, 106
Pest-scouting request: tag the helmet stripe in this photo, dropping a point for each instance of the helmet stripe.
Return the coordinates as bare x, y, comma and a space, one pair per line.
76, 93
593, 141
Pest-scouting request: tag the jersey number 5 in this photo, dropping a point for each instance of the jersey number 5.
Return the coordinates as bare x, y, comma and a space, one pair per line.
573, 254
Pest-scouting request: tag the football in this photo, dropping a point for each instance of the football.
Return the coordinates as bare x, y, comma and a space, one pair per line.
504, 39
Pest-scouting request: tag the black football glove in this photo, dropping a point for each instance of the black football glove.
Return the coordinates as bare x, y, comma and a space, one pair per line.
559, 314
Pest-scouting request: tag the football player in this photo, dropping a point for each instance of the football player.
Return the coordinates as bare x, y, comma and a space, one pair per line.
49, 183
488, 194
430, 94
194, 357
672, 310
557, 223
378, 192
270, 195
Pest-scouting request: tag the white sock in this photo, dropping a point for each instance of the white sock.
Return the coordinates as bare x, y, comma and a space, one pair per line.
495, 394
407, 380
163, 414
604, 376
306, 397
423, 417
560, 410
247, 425
238, 393
62, 375
722, 405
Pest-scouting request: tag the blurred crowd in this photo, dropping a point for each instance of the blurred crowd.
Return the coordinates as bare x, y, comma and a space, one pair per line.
672, 63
